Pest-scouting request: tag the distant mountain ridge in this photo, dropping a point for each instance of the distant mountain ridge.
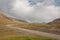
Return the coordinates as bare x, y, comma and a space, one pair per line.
57, 21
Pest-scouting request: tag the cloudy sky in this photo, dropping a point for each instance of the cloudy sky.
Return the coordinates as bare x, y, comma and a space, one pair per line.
37, 11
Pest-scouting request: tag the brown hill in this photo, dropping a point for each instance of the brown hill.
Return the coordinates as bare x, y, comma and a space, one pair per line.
4, 18
7, 20
5, 31
56, 21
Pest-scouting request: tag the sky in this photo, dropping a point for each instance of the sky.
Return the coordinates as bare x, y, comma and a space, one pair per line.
35, 11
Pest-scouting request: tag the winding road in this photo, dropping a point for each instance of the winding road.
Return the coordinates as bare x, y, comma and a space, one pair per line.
35, 33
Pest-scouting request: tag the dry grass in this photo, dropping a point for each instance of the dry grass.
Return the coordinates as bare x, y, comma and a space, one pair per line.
26, 38
51, 28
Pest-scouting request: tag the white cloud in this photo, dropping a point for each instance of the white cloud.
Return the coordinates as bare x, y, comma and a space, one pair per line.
41, 11
21, 7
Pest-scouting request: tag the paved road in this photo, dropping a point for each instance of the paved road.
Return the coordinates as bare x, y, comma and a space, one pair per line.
37, 33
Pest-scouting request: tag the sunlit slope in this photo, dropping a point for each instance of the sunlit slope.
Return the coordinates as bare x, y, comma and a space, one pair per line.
4, 20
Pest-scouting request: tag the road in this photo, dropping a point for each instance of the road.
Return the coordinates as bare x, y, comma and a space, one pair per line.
36, 33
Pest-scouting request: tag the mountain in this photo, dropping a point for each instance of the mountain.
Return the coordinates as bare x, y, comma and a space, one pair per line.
4, 18
7, 25
7, 31
57, 21
8, 20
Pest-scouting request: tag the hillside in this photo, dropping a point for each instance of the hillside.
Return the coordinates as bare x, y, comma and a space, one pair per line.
5, 31
9, 31
6, 20
57, 21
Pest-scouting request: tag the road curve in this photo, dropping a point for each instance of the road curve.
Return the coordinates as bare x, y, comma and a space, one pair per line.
33, 32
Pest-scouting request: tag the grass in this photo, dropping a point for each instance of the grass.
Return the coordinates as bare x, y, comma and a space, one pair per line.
33, 26
38, 26
6, 32
25, 38
51, 28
